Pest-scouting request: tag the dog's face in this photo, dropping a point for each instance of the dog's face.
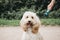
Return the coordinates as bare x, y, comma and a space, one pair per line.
29, 20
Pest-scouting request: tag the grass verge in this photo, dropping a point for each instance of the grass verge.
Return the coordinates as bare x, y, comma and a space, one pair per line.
16, 22
50, 21
9, 22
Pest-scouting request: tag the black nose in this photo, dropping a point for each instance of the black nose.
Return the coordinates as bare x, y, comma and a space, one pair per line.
29, 21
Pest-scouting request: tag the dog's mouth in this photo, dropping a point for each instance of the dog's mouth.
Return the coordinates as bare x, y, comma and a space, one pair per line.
29, 24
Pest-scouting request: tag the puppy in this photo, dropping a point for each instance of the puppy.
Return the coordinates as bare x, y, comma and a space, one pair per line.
30, 24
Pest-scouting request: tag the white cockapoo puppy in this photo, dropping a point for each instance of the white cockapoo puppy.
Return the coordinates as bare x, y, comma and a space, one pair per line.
30, 24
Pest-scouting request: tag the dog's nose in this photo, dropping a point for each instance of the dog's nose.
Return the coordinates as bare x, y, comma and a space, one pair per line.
29, 21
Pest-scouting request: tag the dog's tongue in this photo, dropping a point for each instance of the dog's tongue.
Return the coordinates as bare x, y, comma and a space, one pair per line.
29, 24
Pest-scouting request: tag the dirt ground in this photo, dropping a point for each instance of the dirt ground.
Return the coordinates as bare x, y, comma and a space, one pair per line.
14, 33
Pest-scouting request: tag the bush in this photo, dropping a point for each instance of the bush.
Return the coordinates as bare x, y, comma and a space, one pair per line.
55, 14
40, 13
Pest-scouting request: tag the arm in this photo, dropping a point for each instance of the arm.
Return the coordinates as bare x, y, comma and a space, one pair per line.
49, 7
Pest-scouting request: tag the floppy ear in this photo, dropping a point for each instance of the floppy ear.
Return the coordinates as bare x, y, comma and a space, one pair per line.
36, 26
24, 27
35, 29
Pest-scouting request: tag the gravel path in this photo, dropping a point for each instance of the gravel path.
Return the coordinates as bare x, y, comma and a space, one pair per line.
14, 33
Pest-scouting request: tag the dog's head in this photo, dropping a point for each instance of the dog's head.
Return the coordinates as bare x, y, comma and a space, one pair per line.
30, 20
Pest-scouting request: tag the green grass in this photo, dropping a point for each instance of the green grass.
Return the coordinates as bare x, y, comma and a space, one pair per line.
9, 22
50, 21
43, 21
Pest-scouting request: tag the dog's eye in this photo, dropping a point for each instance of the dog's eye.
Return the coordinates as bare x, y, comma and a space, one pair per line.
32, 17
27, 17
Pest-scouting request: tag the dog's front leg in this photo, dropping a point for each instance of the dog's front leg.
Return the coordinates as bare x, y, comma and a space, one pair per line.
25, 36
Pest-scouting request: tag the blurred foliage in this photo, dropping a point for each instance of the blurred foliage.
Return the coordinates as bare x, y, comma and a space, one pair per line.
14, 9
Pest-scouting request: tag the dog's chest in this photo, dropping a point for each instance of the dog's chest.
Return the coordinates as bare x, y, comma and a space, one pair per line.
30, 36
34, 36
